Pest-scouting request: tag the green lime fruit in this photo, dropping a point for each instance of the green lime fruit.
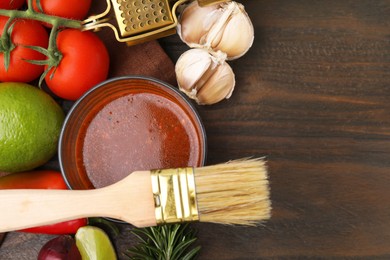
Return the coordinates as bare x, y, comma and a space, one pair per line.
30, 126
94, 244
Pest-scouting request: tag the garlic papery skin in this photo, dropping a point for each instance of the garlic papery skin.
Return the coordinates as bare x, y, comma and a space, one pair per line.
190, 68
204, 77
236, 36
218, 87
200, 20
222, 27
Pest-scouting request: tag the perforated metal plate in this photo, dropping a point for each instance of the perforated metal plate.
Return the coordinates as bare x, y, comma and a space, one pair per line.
139, 16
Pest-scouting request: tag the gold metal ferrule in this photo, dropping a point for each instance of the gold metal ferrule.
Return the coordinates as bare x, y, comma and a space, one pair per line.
174, 195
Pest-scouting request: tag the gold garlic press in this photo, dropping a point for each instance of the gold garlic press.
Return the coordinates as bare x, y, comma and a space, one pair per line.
139, 21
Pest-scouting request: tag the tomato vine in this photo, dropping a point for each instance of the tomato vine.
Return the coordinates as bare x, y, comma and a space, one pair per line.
52, 53
71, 60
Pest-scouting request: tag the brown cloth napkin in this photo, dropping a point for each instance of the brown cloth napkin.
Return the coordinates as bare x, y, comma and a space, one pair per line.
147, 59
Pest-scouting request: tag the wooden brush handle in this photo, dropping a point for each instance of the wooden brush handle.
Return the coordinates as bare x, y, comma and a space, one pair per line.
27, 208
130, 200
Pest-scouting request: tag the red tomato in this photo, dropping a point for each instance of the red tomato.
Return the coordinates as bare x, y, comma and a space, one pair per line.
37, 179
72, 9
11, 4
24, 33
84, 63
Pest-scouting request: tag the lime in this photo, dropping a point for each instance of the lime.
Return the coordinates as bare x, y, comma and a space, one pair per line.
30, 125
94, 244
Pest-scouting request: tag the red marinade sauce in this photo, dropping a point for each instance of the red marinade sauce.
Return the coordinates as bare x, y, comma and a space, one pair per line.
139, 131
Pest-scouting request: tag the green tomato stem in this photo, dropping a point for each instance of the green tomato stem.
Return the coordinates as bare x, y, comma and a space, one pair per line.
6, 44
5, 39
50, 19
30, 5
54, 54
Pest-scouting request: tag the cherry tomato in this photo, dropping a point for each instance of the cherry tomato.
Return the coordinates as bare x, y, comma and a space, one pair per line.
85, 62
24, 33
71, 9
11, 4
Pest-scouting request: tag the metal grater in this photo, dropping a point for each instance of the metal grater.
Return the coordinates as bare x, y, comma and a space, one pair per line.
139, 20
138, 16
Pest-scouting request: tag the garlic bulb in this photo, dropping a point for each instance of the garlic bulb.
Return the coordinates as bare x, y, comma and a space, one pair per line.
225, 27
204, 77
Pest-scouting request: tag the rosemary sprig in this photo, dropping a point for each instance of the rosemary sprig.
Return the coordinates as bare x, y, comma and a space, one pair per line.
167, 242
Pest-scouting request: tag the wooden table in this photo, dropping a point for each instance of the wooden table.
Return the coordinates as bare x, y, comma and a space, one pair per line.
313, 95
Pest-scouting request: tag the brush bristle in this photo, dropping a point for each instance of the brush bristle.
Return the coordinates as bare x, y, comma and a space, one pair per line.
234, 193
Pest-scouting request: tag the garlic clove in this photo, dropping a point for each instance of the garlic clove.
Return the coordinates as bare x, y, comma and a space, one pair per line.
196, 21
239, 24
238, 34
218, 87
213, 37
225, 27
190, 68
204, 77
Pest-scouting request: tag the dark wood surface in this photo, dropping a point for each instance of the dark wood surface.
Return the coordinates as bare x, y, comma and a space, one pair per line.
313, 95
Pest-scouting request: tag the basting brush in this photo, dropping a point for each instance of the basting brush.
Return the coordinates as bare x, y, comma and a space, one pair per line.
236, 192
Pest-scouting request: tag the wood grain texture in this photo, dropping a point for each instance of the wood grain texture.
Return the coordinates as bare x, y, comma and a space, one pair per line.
313, 96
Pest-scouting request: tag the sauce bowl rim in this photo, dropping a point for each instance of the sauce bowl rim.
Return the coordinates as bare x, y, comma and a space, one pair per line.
79, 101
